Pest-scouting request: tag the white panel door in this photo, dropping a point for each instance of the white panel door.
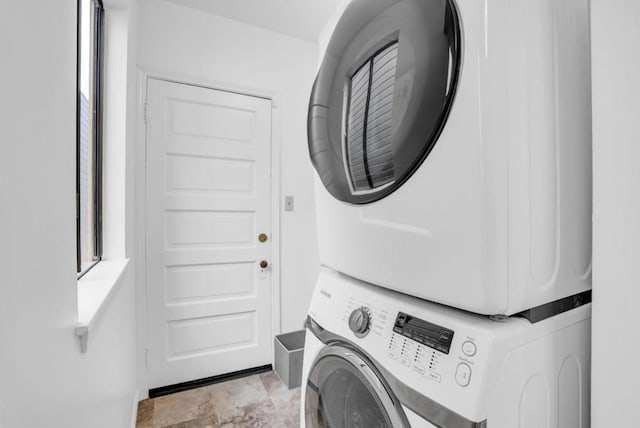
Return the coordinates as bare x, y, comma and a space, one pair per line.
208, 200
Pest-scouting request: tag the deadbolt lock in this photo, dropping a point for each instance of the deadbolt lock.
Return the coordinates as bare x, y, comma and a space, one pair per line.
264, 264
262, 237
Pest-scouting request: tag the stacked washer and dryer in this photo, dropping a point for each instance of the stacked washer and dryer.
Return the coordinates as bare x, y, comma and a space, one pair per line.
452, 144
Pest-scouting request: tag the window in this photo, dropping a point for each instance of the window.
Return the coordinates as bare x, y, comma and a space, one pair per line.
89, 134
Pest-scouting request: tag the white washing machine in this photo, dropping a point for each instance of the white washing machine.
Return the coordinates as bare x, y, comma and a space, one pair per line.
452, 143
377, 358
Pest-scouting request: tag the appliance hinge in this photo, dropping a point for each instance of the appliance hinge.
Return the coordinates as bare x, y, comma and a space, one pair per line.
148, 357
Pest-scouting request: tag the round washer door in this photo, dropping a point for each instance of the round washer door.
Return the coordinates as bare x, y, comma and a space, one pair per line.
343, 391
383, 94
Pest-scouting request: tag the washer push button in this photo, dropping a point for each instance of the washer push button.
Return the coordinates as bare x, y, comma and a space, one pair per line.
469, 348
419, 368
463, 374
433, 376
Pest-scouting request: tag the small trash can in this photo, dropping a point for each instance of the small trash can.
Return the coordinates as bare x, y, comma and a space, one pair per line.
288, 350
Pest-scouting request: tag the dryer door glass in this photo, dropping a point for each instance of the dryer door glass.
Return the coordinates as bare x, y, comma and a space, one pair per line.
382, 94
344, 392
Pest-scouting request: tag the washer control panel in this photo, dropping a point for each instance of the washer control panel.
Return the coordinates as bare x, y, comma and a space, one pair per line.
420, 345
416, 356
423, 332
429, 350
439, 352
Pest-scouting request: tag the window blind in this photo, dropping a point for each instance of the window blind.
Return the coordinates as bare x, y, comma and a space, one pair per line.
370, 121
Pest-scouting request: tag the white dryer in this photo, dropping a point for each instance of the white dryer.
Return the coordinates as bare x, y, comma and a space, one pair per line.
378, 358
452, 143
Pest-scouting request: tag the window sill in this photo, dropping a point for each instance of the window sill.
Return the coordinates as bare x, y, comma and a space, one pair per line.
95, 289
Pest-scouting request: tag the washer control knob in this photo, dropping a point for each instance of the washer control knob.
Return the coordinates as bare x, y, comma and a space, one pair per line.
359, 321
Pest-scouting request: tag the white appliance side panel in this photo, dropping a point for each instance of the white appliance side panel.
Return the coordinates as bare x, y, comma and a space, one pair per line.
576, 126
549, 128
546, 383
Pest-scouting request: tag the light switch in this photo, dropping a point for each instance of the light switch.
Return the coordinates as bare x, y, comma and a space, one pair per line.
288, 203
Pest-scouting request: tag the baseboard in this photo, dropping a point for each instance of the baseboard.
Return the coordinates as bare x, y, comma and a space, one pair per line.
134, 408
184, 386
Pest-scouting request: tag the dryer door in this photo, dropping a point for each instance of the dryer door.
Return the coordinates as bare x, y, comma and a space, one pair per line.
383, 94
345, 391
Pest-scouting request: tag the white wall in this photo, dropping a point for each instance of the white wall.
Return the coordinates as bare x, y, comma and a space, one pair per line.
44, 379
192, 46
616, 214
325, 35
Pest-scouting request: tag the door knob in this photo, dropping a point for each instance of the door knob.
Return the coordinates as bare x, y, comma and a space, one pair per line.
262, 237
264, 264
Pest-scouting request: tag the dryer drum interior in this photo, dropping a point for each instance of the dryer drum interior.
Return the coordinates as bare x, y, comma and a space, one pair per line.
383, 94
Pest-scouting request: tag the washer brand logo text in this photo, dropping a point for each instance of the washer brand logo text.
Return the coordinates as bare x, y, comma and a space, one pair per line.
325, 293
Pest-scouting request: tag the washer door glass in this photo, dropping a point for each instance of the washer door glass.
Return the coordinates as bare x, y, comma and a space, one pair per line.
383, 94
343, 392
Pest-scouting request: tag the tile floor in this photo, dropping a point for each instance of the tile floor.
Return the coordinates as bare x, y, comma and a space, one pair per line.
259, 400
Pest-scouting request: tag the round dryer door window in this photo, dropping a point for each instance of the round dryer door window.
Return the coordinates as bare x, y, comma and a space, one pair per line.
382, 94
344, 392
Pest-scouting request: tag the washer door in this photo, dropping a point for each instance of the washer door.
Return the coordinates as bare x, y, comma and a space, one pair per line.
344, 391
383, 94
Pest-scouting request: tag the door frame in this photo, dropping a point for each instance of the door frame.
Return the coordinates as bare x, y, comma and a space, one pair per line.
140, 163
